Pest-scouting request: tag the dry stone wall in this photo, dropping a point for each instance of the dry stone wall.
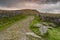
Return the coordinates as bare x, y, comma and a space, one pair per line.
9, 13
55, 20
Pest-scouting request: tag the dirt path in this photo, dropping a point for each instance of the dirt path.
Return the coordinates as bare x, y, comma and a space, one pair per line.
17, 31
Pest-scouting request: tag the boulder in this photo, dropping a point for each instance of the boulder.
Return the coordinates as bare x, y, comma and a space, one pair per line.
42, 28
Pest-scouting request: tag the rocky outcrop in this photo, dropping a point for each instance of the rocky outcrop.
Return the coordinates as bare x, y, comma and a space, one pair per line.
53, 19
42, 28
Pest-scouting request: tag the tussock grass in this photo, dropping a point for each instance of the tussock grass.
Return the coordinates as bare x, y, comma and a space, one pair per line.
53, 34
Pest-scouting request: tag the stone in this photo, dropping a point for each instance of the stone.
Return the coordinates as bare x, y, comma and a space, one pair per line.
32, 34
42, 28
52, 24
37, 25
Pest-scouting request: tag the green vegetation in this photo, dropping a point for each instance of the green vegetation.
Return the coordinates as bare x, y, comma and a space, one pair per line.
53, 34
33, 28
6, 21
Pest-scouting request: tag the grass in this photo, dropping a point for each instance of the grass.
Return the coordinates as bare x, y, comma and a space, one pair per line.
53, 34
6, 21
51, 14
33, 28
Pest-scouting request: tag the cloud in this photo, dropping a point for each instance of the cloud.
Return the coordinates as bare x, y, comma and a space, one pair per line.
40, 5
52, 1
55, 8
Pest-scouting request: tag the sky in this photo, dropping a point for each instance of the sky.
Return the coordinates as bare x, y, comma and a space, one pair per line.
51, 6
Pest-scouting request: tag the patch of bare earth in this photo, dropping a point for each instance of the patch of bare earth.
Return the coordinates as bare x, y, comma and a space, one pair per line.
17, 31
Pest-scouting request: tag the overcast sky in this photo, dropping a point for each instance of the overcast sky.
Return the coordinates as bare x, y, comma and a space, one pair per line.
40, 5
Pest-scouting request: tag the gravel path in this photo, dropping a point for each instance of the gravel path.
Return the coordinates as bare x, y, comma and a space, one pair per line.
17, 31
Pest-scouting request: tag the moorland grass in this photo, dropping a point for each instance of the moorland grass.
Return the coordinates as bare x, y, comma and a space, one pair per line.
53, 34
32, 27
6, 21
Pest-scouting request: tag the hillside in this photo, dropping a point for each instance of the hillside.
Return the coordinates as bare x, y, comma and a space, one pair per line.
26, 11
5, 13
30, 12
10, 17
55, 18
50, 14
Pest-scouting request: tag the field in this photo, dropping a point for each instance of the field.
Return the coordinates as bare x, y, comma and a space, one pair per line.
7, 17
6, 21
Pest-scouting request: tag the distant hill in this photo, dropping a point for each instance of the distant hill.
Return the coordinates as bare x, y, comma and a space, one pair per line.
25, 12
50, 14
55, 18
30, 12
4, 13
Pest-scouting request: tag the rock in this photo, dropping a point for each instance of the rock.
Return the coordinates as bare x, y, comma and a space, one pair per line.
37, 25
45, 23
32, 34
54, 19
42, 28
52, 24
